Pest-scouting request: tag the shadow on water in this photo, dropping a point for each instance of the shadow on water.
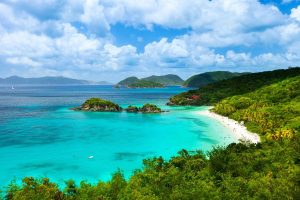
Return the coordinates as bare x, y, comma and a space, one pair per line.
46, 166
131, 156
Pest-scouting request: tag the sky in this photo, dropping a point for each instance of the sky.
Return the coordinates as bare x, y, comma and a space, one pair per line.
108, 40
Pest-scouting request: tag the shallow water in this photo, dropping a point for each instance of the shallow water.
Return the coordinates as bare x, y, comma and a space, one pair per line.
40, 136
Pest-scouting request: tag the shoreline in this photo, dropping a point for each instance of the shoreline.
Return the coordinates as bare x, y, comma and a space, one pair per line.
237, 129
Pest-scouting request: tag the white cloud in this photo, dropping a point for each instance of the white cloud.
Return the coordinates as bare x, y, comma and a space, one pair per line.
23, 61
10, 21
93, 16
295, 13
73, 37
23, 43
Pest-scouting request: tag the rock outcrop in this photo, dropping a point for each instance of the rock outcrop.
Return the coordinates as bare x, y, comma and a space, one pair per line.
99, 105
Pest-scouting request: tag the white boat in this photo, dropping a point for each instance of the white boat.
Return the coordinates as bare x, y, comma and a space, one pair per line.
90, 157
12, 87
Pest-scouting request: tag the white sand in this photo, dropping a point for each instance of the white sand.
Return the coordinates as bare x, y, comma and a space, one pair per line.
239, 130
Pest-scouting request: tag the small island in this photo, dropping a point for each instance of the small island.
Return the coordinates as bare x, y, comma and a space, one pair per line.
150, 108
101, 105
150, 82
132, 109
147, 108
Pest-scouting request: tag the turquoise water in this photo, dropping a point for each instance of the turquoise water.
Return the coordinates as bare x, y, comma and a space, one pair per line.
40, 136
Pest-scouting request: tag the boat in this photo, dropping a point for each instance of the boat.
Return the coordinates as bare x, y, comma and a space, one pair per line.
12, 87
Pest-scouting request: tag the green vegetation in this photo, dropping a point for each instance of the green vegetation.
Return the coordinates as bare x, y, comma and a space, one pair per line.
150, 108
206, 78
145, 84
101, 105
169, 79
215, 92
128, 81
272, 111
267, 170
133, 109
97, 104
151, 81
147, 108
239, 171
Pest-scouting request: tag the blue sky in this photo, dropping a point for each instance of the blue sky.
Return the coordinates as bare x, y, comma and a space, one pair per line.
112, 39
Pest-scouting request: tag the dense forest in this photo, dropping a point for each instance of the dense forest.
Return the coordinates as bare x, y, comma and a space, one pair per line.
213, 93
273, 111
268, 103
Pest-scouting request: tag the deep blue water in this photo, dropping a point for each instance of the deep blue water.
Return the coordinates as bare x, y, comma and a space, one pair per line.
40, 136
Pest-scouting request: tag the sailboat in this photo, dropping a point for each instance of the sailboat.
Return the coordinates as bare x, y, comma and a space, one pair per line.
12, 87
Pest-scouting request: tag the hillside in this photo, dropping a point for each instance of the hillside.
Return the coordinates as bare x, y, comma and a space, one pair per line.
267, 170
213, 93
273, 110
128, 81
158, 81
48, 80
206, 78
145, 84
169, 79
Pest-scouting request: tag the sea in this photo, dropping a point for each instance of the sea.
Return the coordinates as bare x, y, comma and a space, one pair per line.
41, 137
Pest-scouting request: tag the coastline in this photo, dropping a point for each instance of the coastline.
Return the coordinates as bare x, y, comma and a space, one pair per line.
237, 129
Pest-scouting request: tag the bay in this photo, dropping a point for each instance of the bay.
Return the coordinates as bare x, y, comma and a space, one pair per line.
41, 137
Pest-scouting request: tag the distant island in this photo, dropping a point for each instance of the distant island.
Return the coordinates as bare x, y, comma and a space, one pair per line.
151, 81
167, 80
48, 80
195, 81
101, 105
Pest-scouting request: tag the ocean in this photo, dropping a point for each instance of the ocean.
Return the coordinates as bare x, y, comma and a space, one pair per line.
41, 137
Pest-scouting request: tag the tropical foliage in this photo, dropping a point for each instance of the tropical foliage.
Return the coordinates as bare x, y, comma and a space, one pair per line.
150, 108
97, 104
273, 111
239, 171
213, 93
267, 170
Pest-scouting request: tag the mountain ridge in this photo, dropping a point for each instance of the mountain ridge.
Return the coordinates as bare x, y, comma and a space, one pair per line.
47, 80
168, 79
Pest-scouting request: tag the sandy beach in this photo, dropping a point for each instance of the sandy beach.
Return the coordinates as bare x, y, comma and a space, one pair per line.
239, 130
